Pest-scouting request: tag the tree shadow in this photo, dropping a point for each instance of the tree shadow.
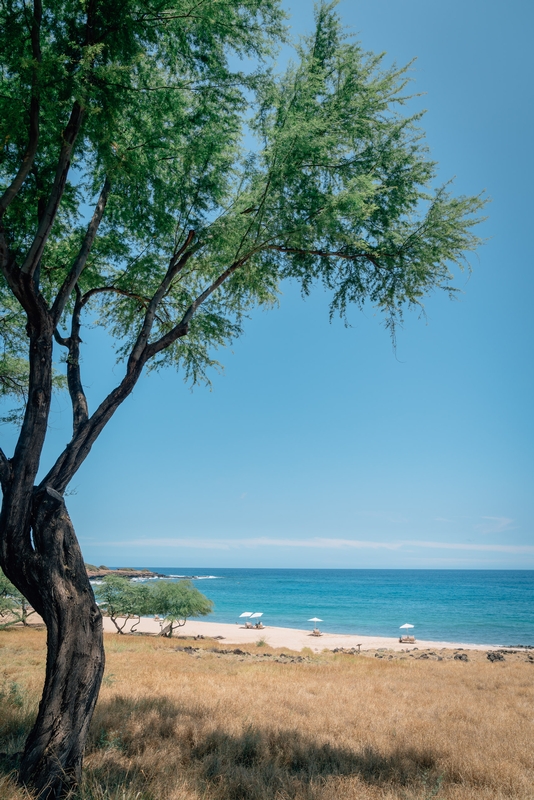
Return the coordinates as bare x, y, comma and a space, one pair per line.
259, 764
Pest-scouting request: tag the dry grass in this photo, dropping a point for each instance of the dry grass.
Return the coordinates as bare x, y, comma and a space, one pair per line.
200, 726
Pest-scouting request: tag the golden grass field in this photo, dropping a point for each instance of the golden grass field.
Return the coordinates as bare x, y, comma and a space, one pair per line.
173, 725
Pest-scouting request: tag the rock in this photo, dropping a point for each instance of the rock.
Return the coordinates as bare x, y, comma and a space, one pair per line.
494, 656
460, 657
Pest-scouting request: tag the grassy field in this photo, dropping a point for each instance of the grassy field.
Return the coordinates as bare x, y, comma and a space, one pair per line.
197, 725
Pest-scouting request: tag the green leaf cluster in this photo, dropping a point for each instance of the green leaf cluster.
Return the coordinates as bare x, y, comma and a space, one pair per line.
338, 188
178, 602
122, 600
175, 602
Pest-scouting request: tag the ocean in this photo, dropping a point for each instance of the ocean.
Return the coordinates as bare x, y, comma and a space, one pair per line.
471, 606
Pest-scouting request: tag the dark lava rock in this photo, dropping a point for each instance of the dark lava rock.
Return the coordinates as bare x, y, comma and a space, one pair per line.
494, 656
461, 657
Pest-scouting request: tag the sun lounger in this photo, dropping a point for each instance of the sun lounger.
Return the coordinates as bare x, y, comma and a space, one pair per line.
316, 632
407, 639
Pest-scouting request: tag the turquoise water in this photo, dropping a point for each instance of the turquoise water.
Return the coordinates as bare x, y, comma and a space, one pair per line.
477, 607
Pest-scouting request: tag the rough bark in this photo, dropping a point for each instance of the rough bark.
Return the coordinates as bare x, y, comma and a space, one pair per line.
56, 583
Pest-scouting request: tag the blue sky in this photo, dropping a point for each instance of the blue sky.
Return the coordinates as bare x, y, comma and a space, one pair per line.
320, 446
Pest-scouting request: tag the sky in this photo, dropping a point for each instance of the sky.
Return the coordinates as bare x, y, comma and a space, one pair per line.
321, 446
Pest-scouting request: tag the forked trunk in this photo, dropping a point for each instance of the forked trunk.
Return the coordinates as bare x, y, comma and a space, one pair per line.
59, 589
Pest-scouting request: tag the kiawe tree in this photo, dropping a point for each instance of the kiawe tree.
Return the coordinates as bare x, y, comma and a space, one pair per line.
122, 600
14, 607
129, 199
178, 602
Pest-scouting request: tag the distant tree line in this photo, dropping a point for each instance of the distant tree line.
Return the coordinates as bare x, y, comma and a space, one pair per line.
123, 600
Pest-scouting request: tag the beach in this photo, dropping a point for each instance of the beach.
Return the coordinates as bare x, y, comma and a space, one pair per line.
290, 638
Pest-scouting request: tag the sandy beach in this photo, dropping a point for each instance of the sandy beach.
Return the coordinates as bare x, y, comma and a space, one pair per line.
291, 638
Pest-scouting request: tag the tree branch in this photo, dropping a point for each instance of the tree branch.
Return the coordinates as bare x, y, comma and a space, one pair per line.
177, 262
45, 226
182, 327
80, 412
325, 253
33, 137
88, 431
124, 292
77, 268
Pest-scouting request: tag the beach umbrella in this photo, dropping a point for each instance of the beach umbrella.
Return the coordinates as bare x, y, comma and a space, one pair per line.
245, 614
405, 627
315, 620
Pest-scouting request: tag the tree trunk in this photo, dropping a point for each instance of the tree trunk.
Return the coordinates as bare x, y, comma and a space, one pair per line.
58, 588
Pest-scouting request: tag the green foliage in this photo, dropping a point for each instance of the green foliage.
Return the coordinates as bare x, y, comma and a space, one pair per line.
178, 602
121, 599
14, 607
339, 189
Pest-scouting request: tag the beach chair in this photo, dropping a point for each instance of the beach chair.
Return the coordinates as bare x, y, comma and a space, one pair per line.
259, 626
316, 632
248, 625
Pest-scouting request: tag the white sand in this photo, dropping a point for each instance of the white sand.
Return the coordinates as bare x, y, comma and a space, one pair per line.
291, 638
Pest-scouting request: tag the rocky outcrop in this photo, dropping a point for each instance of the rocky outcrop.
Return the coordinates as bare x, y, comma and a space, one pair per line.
96, 573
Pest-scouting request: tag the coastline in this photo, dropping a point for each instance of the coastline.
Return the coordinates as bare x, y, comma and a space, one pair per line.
292, 638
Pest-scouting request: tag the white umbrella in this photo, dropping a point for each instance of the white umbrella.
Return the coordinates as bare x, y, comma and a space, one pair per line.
245, 614
315, 619
406, 638
257, 614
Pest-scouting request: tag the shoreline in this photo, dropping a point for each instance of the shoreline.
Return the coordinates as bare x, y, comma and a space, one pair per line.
292, 638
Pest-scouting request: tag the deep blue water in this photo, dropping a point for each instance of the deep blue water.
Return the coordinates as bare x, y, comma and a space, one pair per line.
477, 607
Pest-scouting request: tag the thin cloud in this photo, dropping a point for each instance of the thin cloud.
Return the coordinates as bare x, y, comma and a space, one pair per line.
323, 544
487, 548
495, 525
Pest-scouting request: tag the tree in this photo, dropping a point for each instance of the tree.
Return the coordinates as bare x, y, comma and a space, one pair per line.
122, 599
137, 110
178, 602
8, 604
13, 605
